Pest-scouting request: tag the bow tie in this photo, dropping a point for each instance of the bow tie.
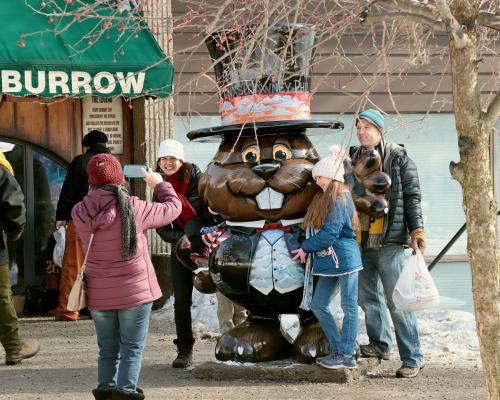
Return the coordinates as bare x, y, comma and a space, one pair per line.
274, 226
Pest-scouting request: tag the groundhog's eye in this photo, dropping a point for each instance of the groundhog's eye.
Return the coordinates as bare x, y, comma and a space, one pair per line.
251, 154
281, 152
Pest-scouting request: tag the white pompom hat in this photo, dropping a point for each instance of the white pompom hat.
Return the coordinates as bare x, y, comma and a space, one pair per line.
332, 166
170, 148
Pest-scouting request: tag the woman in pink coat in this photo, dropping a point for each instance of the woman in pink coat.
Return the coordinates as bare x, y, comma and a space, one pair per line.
120, 279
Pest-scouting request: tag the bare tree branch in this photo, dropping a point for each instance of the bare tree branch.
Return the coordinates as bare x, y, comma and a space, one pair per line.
489, 20
452, 25
407, 6
374, 18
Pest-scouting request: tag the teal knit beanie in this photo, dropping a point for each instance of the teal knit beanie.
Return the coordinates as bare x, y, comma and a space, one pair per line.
373, 116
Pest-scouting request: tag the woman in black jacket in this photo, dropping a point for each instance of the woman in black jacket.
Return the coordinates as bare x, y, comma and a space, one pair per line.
184, 178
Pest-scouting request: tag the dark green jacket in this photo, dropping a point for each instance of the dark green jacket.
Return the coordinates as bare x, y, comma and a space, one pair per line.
12, 212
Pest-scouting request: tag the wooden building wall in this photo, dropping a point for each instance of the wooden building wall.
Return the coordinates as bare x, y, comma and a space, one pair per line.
336, 86
54, 125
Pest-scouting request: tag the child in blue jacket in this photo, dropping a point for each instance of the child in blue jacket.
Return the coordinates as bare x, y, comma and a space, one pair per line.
334, 257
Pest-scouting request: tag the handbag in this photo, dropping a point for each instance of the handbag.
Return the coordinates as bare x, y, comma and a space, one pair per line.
77, 296
415, 290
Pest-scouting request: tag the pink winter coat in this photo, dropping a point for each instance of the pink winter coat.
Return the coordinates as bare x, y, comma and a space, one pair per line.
114, 284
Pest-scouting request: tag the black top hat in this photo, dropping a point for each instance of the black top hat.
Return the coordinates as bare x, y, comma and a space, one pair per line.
264, 86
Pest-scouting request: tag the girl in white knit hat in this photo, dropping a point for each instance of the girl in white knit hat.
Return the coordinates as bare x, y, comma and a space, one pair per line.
331, 253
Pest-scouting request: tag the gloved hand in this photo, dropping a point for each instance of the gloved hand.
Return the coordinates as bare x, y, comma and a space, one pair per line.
418, 239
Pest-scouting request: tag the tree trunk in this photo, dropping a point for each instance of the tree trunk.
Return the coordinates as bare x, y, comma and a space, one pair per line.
474, 174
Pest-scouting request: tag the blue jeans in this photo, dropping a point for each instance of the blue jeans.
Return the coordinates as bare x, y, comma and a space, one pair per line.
345, 342
121, 336
381, 270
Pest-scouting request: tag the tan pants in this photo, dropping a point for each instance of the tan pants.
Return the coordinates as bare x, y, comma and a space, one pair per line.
72, 261
229, 313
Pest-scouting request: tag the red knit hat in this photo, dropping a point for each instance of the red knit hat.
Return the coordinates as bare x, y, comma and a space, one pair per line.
105, 169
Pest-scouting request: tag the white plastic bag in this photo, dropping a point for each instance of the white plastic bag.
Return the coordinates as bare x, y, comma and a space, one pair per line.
58, 254
415, 290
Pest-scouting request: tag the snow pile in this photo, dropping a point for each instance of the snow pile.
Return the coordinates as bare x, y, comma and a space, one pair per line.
448, 334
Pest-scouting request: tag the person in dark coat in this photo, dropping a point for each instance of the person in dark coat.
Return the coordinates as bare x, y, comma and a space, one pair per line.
382, 249
74, 189
12, 220
184, 178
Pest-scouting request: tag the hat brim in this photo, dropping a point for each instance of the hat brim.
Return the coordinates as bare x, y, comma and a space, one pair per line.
261, 128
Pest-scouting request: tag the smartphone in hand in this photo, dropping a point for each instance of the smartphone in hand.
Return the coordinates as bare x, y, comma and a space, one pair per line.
133, 171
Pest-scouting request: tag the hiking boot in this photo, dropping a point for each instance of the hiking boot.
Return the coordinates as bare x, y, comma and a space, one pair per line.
367, 350
119, 394
408, 372
27, 349
103, 393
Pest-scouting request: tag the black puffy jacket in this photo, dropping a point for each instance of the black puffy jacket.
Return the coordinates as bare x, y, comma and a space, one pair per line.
172, 233
405, 212
75, 186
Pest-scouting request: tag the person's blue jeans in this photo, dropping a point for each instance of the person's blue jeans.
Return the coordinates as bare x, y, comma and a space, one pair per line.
121, 336
345, 342
381, 270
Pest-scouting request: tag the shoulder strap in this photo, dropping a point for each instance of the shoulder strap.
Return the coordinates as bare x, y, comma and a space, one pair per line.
87, 253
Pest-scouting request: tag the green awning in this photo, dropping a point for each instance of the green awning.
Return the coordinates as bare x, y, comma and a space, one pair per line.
88, 58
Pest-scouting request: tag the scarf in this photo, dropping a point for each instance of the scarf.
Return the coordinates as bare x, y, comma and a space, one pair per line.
127, 217
369, 234
307, 292
181, 184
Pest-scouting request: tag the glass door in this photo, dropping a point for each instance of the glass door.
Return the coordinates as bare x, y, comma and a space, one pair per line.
40, 176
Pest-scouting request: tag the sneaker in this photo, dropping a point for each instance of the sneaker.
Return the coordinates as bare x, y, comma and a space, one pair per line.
349, 362
333, 361
320, 359
27, 349
408, 372
367, 350
336, 361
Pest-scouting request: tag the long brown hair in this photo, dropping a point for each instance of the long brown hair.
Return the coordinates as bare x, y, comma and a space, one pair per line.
318, 209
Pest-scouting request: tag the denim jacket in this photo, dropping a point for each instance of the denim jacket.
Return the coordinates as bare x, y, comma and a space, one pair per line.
338, 234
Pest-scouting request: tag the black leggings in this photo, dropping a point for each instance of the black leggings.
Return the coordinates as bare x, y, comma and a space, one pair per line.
182, 282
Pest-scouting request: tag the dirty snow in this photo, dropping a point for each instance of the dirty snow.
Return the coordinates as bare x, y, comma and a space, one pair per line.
444, 334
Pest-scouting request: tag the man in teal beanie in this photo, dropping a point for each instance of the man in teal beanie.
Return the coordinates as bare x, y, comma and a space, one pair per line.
382, 249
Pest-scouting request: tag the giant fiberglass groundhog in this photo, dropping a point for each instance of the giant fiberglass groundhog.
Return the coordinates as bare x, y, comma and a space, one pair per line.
260, 182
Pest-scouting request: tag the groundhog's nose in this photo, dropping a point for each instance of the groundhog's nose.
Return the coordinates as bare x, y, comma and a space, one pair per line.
265, 171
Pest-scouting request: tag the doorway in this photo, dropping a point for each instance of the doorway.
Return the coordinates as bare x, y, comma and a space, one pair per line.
40, 175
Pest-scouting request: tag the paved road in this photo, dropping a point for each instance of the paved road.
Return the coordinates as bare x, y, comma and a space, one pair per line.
65, 368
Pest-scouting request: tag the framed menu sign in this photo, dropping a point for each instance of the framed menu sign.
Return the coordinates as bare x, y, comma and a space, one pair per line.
105, 115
